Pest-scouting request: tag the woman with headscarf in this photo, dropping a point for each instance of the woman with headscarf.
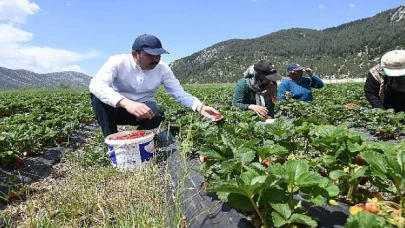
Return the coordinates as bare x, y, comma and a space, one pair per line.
257, 90
385, 83
297, 85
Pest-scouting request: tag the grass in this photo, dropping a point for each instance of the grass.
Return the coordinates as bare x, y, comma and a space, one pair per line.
85, 191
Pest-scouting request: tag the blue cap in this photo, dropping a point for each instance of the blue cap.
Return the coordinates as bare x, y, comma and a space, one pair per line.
149, 44
294, 67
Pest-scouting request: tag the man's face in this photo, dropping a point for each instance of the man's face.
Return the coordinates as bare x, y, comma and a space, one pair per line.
146, 61
296, 75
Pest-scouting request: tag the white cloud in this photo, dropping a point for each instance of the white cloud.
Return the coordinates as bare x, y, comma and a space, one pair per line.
351, 5
11, 34
17, 53
321, 7
17, 10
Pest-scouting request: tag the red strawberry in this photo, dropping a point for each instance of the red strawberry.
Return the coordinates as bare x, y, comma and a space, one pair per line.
261, 207
267, 117
217, 117
371, 207
204, 158
14, 196
266, 162
18, 161
360, 161
205, 186
59, 140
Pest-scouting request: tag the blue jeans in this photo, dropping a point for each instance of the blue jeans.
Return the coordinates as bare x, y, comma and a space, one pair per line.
109, 117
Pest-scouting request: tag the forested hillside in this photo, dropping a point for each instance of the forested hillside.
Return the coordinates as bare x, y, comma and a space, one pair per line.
345, 51
18, 79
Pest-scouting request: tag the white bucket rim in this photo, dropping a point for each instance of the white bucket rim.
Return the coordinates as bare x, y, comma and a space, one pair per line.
144, 139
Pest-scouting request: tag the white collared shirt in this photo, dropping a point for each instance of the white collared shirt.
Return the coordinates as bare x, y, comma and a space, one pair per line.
120, 77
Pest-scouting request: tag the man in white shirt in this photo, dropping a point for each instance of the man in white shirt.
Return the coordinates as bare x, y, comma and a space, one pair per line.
123, 90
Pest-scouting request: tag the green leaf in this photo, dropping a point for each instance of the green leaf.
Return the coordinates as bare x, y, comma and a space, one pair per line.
354, 147
283, 209
303, 219
331, 188
314, 198
365, 220
337, 174
272, 181
223, 196
376, 162
278, 220
251, 143
294, 169
401, 162
359, 173
211, 152
230, 165
309, 179
226, 186
257, 167
269, 150
12, 178
250, 182
246, 155
274, 195
248, 176
278, 171
240, 202
328, 160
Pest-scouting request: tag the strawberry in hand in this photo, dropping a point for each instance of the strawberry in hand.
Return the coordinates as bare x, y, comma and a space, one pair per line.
217, 117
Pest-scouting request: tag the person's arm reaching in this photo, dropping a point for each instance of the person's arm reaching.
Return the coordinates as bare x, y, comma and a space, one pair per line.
173, 87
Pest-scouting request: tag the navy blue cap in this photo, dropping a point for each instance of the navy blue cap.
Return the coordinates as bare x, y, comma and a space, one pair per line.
294, 67
149, 44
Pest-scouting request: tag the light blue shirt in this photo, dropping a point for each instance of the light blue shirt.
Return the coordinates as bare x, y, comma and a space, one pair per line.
120, 77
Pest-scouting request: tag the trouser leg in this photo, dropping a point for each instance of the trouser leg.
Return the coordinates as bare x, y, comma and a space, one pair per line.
109, 117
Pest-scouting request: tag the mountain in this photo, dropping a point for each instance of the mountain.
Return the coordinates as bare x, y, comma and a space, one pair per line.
17, 79
345, 51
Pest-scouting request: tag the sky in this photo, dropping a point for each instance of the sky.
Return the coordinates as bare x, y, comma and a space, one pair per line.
59, 35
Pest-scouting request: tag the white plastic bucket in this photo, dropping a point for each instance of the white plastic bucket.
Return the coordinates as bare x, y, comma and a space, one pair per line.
127, 154
268, 121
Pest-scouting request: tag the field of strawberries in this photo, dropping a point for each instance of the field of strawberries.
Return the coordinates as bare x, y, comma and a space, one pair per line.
334, 150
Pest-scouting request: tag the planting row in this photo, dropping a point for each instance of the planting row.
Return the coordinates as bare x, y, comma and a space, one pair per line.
261, 169
51, 121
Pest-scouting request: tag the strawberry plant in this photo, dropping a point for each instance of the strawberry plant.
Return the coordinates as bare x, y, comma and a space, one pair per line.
274, 188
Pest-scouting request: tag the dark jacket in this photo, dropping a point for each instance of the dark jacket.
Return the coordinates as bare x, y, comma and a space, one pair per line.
392, 98
243, 97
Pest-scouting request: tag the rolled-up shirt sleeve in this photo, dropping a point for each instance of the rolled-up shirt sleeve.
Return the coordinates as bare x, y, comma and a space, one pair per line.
173, 87
100, 84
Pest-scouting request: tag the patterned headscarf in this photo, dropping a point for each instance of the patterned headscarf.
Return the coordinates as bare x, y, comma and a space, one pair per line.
264, 93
